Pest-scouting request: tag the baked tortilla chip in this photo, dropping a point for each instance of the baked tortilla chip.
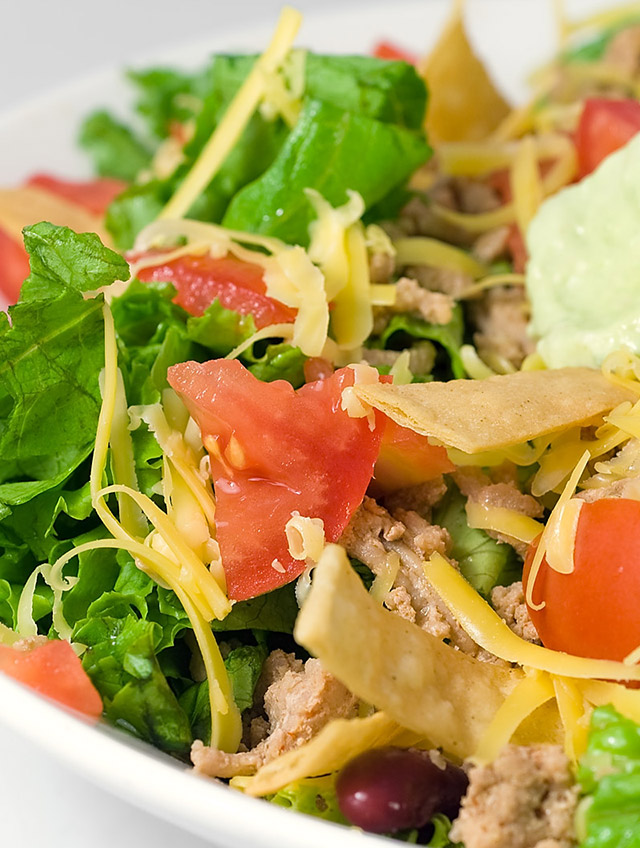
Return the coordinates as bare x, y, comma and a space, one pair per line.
416, 679
511, 409
464, 104
337, 743
21, 207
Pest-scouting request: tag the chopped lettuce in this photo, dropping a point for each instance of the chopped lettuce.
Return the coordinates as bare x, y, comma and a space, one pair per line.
484, 562
609, 774
372, 106
406, 329
115, 149
329, 150
313, 796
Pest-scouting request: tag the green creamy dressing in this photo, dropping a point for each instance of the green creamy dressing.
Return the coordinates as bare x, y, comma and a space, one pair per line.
583, 276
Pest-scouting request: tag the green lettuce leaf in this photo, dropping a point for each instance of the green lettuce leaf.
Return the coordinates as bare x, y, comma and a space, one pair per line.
405, 328
122, 663
276, 612
51, 354
313, 796
114, 148
609, 774
328, 150
484, 562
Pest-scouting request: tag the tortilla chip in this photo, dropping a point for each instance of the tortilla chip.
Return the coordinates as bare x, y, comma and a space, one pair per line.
484, 415
464, 104
337, 743
416, 679
21, 207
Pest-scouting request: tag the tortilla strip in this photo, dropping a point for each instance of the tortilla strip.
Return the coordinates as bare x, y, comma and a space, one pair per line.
416, 679
477, 107
21, 207
510, 409
337, 743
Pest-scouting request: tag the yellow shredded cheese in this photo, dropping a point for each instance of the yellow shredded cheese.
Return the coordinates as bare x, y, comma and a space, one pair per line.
420, 250
566, 495
526, 185
236, 117
502, 520
305, 537
534, 690
352, 316
488, 630
328, 233
574, 713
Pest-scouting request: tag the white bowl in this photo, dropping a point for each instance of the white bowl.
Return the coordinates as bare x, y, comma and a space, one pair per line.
514, 36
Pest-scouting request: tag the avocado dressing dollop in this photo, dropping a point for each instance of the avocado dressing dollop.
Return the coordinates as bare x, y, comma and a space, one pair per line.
583, 275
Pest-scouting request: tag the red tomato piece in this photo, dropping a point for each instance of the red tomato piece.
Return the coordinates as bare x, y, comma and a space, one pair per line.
14, 267
54, 670
94, 195
407, 459
389, 50
275, 451
593, 612
238, 285
605, 126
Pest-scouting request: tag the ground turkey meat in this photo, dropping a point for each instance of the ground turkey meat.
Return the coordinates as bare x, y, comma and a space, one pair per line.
525, 799
501, 317
299, 702
509, 603
373, 532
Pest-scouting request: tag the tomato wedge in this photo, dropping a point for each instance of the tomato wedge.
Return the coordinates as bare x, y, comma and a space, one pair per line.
605, 126
14, 267
275, 451
238, 285
393, 52
593, 612
94, 195
407, 459
54, 670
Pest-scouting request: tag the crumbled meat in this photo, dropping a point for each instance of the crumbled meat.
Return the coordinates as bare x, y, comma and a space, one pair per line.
421, 357
445, 280
434, 307
298, 703
623, 51
491, 245
509, 603
399, 600
381, 267
369, 529
473, 483
501, 318
474, 196
421, 498
525, 799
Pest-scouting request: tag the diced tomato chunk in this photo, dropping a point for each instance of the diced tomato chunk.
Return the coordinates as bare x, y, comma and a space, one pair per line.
275, 451
389, 50
605, 126
54, 670
238, 285
94, 195
407, 459
14, 267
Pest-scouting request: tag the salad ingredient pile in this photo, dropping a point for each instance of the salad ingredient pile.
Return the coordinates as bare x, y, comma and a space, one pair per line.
319, 420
